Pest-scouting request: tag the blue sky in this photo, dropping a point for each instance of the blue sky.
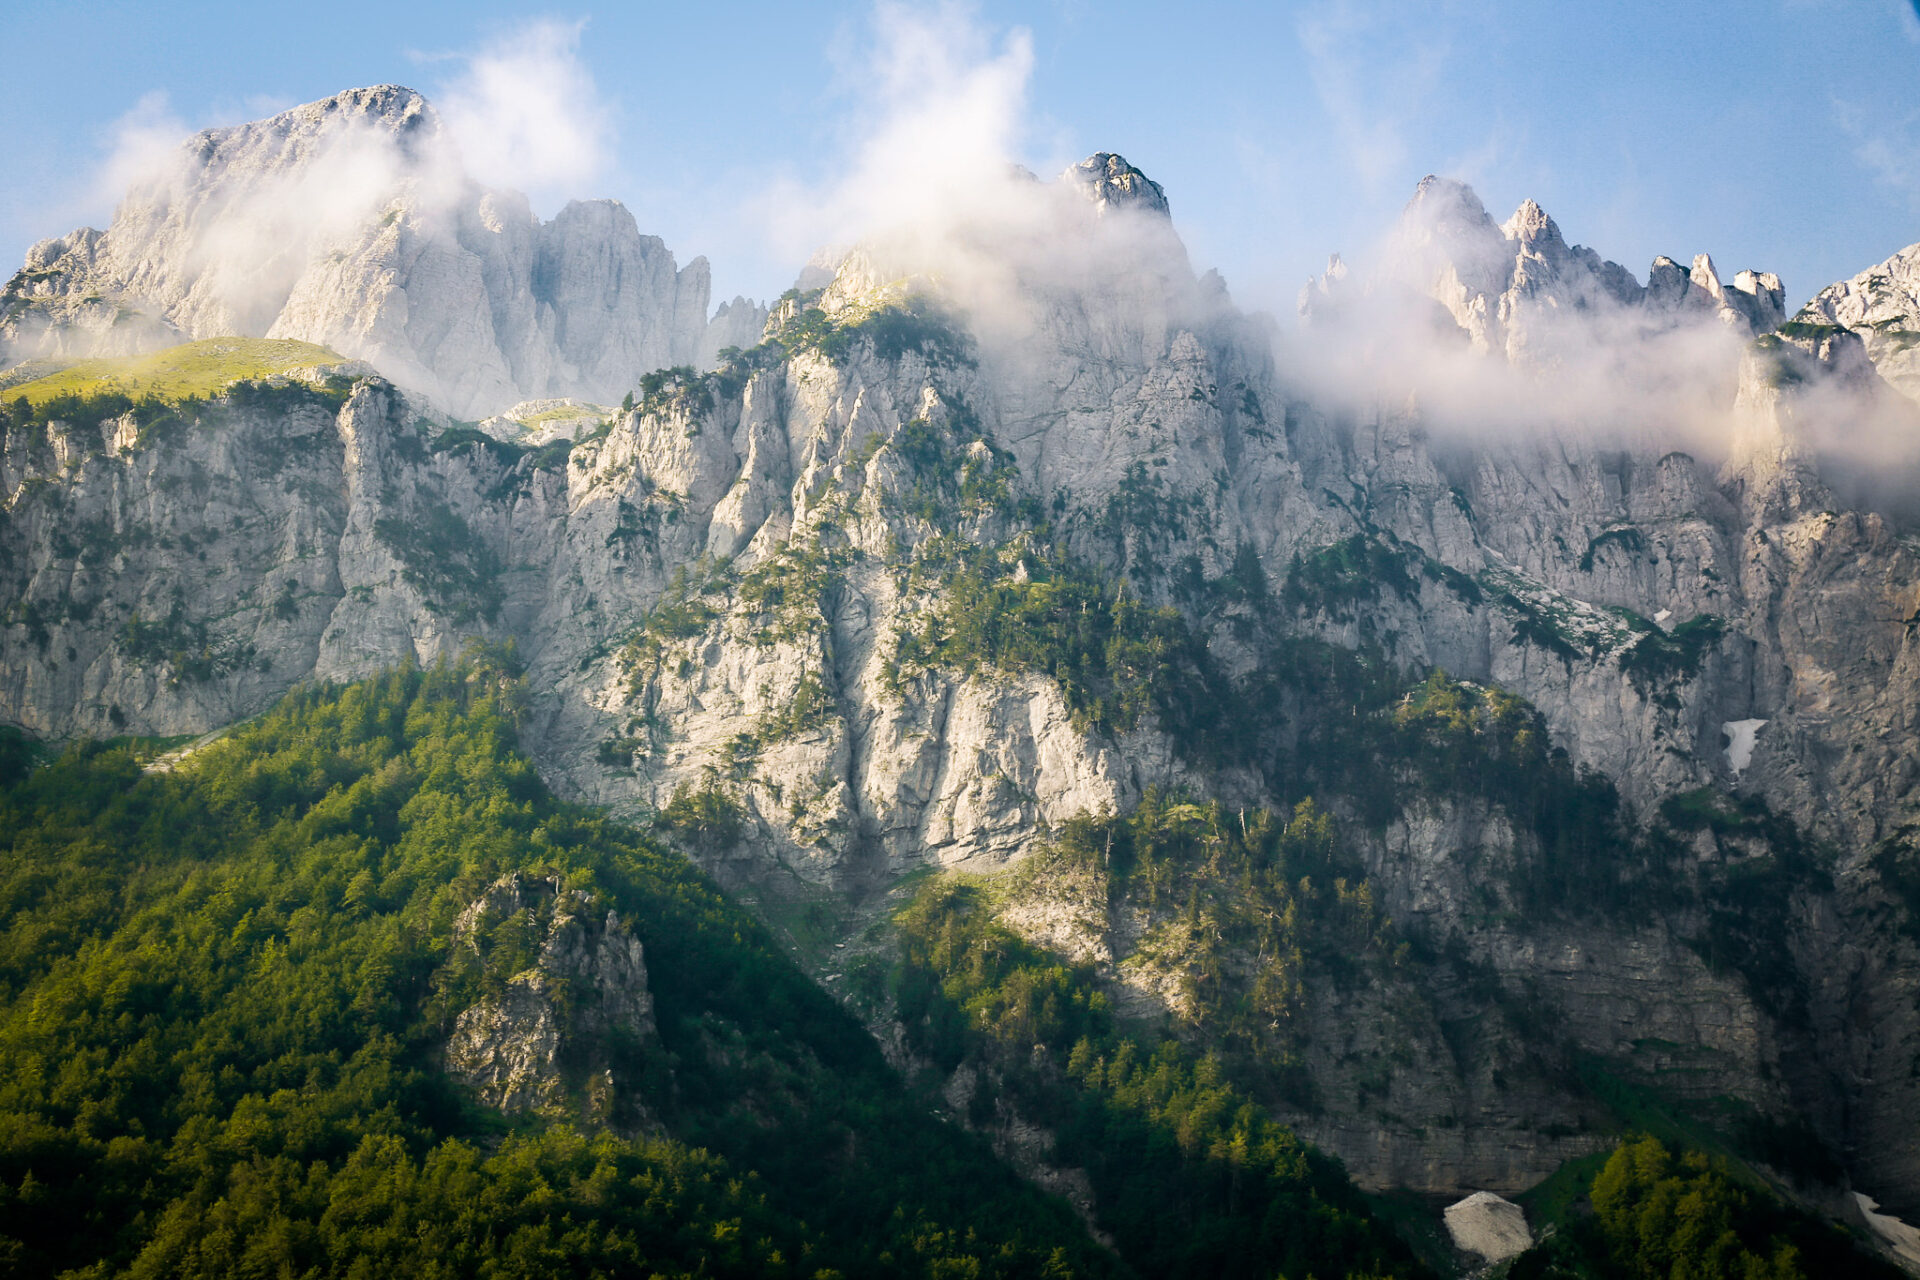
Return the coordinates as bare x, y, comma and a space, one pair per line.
1778, 134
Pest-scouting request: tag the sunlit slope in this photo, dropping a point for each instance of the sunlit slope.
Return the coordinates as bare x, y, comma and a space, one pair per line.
189, 371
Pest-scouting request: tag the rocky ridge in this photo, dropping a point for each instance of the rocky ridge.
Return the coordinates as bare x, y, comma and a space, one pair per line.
733, 608
1505, 283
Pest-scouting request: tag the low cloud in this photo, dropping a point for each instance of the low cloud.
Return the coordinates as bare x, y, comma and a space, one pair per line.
1560, 360
519, 113
936, 112
140, 146
527, 115
933, 191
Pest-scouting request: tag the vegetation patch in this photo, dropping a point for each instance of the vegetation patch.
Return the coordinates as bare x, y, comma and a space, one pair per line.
463, 437
1115, 657
188, 648
916, 324
191, 371
1351, 571
441, 557
1629, 540
1190, 1174
1660, 1211
1810, 330
1663, 658
694, 600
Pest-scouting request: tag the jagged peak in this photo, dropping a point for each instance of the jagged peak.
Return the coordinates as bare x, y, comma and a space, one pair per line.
1531, 226
1704, 275
1111, 183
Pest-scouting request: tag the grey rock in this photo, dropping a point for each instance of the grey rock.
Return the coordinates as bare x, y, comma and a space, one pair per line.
1882, 306
1485, 1224
545, 1041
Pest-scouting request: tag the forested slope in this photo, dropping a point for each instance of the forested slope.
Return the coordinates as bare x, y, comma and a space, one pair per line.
224, 992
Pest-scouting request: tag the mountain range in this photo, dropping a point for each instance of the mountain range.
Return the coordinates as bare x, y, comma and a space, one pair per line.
1479, 722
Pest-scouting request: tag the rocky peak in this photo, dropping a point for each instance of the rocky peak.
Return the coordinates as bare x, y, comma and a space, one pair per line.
350, 223
1448, 209
389, 110
1534, 230
1111, 183
1882, 306
1755, 302
1515, 288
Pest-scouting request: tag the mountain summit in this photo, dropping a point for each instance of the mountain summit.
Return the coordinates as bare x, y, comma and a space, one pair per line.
349, 223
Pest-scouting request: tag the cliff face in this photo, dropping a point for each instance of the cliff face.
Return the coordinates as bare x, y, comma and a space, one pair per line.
348, 223
762, 606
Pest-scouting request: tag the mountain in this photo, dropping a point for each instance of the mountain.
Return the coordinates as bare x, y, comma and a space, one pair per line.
348, 223
1074, 668
1882, 306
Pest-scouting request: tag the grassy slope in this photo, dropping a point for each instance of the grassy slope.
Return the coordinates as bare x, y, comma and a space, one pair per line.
191, 370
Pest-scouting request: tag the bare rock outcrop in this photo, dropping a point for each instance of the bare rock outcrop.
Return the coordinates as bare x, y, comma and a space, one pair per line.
561, 1035
1489, 1226
1882, 306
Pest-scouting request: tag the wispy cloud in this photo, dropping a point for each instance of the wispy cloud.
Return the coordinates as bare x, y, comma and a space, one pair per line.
1886, 147
936, 110
527, 114
1371, 71
138, 145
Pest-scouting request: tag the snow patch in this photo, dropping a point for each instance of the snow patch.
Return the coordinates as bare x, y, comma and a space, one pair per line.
1901, 1238
1662, 616
1485, 1224
1740, 739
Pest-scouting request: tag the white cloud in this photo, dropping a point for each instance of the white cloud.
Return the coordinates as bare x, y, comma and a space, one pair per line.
527, 114
139, 145
936, 115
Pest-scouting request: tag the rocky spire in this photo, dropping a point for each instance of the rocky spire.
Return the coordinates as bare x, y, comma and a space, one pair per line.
1111, 183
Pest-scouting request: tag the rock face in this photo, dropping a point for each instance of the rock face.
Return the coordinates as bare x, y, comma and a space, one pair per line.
1486, 1225
1882, 306
736, 605
347, 223
550, 1037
